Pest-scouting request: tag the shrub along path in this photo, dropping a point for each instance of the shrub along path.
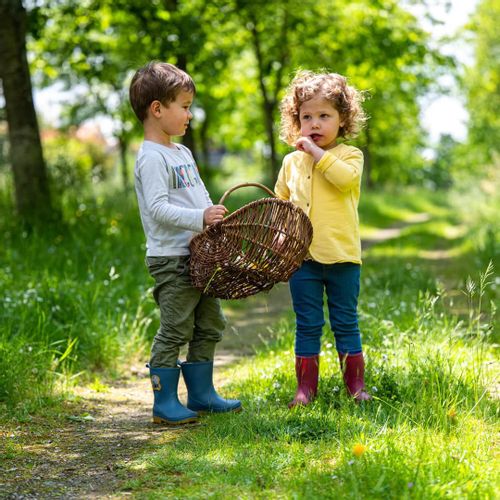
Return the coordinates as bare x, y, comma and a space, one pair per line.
85, 452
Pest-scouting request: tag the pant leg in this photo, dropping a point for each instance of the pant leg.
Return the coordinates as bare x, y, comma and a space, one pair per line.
209, 324
307, 288
342, 288
177, 299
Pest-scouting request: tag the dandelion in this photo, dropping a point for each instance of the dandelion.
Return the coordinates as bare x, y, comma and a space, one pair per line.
358, 449
452, 414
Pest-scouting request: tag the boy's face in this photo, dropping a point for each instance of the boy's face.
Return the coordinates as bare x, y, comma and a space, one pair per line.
175, 116
320, 121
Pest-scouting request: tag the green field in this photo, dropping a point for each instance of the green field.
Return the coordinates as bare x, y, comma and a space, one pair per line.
78, 312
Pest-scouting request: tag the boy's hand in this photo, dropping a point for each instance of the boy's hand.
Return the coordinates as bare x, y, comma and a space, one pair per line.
307, 145
214, 214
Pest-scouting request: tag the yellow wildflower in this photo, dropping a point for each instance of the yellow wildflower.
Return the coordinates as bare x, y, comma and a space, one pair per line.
358, 449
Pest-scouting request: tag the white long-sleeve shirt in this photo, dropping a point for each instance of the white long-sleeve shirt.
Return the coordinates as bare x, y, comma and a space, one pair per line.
171, 197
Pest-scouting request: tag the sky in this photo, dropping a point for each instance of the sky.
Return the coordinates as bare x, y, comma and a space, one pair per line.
444, 114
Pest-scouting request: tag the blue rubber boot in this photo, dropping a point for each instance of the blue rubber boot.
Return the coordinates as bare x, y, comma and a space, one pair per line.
202, 396
167, 408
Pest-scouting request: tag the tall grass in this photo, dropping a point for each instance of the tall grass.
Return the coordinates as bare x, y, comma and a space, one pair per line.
432, 367
428, 433
74, 299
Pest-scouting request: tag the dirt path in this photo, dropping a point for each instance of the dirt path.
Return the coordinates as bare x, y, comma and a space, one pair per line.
86, 456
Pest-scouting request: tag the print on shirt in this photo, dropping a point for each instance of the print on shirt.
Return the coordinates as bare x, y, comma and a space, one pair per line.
184, 176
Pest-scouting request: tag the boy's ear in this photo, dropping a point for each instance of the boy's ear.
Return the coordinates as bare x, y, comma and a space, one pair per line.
155, 108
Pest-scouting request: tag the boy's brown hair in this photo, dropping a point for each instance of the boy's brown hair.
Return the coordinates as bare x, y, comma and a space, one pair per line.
157, 81
334, 88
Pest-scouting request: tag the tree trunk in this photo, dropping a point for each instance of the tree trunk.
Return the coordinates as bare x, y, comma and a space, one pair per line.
188, 138
30, 174
269, 95
123, 145
368, 160
269, 110
205, 155
268, 107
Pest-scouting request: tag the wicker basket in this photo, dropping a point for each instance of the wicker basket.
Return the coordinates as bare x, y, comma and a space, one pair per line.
250, 250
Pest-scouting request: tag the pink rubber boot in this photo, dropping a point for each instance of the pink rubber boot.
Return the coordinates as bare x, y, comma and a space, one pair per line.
307, 371
353, 370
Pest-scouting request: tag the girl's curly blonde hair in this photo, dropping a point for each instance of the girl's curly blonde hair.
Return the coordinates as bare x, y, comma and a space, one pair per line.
333, 87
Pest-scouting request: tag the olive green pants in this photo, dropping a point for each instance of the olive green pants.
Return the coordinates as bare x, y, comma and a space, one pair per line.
186, 315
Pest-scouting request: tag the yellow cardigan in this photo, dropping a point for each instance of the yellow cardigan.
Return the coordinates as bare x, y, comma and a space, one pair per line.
328, 192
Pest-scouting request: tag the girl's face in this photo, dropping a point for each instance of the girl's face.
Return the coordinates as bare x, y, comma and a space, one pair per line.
320, 121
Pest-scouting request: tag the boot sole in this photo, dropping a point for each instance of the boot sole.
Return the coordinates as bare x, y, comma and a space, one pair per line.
163, 421
208, 412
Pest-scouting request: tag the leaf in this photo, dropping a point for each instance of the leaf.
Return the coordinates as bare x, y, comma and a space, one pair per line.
86, 417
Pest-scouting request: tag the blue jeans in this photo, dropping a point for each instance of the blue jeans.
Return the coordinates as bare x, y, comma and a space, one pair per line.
307, 286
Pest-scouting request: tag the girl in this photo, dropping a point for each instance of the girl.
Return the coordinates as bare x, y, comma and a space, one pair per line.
323, 178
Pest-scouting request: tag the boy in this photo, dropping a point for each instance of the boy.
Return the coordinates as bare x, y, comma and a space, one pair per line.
174, 204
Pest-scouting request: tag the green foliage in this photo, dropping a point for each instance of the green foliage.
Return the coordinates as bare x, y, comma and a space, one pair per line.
75, 302
74, 164
242, 55
428, 432
478, 201
78, 285
482, 82
439, 172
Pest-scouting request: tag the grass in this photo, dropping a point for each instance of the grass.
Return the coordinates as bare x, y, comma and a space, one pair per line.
77, 308
432, 366
75, 299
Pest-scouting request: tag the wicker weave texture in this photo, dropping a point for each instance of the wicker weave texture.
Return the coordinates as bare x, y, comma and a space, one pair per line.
252, 249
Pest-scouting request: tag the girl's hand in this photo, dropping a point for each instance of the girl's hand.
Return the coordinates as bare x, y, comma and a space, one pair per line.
306, 144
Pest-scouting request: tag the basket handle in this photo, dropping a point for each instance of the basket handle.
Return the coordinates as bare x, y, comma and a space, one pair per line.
245, 184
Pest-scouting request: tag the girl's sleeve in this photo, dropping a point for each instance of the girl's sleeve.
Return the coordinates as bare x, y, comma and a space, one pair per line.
155, 185
281, 189
343, 172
